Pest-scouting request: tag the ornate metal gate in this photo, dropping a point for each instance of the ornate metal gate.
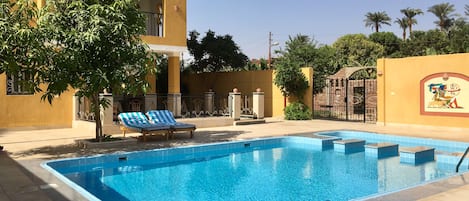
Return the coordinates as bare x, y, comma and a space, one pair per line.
348, 100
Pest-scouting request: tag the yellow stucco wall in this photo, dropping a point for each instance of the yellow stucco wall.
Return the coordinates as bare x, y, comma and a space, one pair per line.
174, 25
30, 111
308, 98
224, 82
246, 82
278, 100
175, 20
399, 88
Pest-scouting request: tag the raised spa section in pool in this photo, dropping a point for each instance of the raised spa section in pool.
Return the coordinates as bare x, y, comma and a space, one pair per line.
338, 165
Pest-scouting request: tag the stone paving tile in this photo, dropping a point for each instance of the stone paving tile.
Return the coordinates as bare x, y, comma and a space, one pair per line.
461, 193
3, 195
15, 184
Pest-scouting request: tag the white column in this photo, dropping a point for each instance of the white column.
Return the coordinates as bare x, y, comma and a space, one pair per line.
209, 101
75, 108
258, 104
235, 104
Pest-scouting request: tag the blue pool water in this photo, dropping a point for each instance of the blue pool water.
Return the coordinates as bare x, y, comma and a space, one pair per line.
285, 168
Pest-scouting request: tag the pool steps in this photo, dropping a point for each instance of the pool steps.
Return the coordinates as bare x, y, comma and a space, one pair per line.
408, 155
382, 150
349, 146
417, 155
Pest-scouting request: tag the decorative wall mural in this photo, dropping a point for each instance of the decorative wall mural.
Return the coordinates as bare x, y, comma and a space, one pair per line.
445, 94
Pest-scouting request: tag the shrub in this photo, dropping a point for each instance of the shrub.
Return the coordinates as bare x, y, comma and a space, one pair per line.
290, 79
297, 111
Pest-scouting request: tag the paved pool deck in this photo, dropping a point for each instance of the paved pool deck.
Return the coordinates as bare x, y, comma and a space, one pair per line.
23, 179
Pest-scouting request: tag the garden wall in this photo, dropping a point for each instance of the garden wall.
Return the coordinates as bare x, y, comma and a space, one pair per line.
30, 111
428, 90
247, 82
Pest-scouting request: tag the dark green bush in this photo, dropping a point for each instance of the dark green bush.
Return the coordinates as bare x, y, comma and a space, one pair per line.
297, 111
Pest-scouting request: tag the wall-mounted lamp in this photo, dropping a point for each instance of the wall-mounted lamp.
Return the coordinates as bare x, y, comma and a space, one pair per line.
379, 73
445, 76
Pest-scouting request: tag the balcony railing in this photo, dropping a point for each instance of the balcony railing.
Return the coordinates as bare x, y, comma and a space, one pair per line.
154, 23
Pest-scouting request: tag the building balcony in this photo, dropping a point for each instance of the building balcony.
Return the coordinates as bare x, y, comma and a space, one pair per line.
154, 23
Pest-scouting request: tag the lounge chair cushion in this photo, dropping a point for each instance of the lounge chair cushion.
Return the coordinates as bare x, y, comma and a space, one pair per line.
166, 117
138, 120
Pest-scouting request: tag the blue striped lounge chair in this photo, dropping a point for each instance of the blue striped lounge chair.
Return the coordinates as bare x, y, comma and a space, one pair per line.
166, 117
139, 122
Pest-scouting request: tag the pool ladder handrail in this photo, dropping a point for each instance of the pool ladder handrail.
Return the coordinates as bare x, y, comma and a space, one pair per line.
461, 159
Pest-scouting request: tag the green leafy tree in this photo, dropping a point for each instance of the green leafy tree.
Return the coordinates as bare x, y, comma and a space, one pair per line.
301, 49
402, 22
257, 65
22, 47
215, 53
290, 79
263, 64
415, 46
357, 50
388, 40
445, 13
376, 19
410, 14
458, 37
437, 42
305, 51
324, 65
97, 47
426, 43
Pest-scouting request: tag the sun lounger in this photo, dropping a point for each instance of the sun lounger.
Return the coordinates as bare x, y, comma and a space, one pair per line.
138, 121
166, 117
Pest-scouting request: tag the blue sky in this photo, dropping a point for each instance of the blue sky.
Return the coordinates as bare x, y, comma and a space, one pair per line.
250, 21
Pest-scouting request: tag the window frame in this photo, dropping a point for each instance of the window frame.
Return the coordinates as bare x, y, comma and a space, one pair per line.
14, 84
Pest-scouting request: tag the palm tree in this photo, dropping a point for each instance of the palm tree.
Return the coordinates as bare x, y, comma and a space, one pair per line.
410, 13
375, 20
443, 12
403, 23
467, 10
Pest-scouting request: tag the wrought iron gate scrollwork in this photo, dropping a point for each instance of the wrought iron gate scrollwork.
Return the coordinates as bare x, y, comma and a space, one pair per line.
355, 100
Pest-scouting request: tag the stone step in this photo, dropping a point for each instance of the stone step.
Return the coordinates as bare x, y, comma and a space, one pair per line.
408, 155
416, 155
381, 150
349, 146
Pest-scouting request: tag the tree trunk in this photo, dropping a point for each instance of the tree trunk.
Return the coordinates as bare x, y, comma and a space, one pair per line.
409, 23
403, 34
284, 102
97, 117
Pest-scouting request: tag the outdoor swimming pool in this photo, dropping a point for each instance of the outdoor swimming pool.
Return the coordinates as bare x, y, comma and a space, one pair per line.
281, 168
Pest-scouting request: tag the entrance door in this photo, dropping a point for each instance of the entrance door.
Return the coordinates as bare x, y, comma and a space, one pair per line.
347, 100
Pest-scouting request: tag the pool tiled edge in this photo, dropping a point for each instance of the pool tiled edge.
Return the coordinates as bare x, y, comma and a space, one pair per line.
219, 149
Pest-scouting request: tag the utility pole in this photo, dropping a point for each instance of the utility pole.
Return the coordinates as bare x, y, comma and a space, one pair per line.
269, 60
